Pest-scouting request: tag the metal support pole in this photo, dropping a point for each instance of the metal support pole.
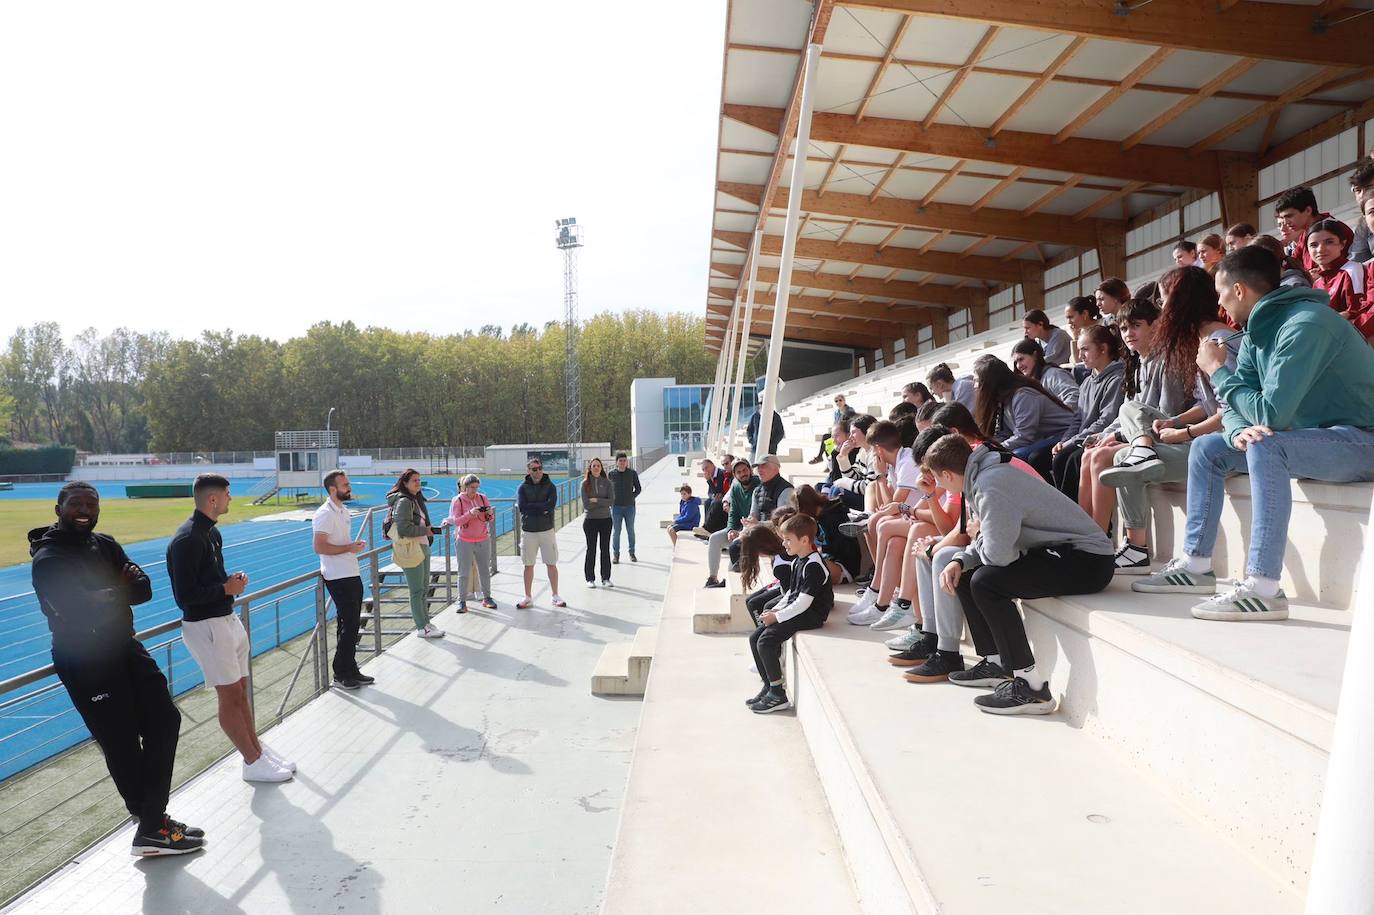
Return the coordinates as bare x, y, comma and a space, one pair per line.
376, 606
1342, 881
789, 250
717, 417
321, 678
448, 566
723, 388
746, 322
247, 619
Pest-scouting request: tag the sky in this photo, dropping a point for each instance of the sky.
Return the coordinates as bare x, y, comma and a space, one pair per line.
261, 167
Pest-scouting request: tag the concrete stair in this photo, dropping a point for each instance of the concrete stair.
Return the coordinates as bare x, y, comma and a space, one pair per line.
623, 668
721, 611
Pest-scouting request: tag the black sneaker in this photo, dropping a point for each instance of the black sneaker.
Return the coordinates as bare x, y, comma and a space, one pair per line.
363, 678
193, 832
1132, 560
775, 700
916, 653
939, 666
347, 682
1015, 697
633, 557
983, 674
714, 583
615, 560
754, 699
166, 840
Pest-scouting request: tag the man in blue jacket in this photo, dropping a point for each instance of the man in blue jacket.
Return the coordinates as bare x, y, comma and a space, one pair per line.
536, 499
1300, 406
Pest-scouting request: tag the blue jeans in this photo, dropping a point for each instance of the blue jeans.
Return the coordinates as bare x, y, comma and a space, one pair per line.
622, 514
1340, 454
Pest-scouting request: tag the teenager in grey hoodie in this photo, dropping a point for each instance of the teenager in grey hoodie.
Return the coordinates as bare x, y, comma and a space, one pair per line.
1099, 401
1032, 542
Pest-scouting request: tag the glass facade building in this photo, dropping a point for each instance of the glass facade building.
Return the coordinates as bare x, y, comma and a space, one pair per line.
687, 410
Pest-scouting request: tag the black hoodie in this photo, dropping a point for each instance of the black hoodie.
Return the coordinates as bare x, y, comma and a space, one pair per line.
536, 502
79, 580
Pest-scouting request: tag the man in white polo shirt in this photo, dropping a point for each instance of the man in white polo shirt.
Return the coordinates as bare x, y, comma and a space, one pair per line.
338, 551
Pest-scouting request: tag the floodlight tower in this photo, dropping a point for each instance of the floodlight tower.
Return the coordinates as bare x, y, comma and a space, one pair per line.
568, 238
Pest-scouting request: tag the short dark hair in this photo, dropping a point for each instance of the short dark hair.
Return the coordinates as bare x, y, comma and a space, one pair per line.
901, 409
928, 410
1363, 176
622, 455
885, 434
957, 417
915, 387
1297, 198
863, 422
1241, 230
1252, 266
941, 372
801, 526
1037, 316
843, 426
1085, 303
333, 477
75, 486
926, 439
949, 453
685, 488
742, 463
207, 482
1186, 245
1115, 287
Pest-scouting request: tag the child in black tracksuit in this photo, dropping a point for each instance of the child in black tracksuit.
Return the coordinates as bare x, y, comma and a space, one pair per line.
805, 605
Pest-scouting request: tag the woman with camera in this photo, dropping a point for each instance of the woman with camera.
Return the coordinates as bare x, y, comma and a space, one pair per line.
471, 514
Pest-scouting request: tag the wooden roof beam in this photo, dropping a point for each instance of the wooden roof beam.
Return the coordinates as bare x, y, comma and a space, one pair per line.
1040, 83
1108, 98
1272, 31
1014, 224
958, 80
860, 285
1324, 75
982, 268
1206, 91
1155, 164
837, 308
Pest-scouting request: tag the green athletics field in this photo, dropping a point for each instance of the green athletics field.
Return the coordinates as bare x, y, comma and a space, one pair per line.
127, 520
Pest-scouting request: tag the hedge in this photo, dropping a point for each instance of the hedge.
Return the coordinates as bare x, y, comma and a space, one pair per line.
47, 459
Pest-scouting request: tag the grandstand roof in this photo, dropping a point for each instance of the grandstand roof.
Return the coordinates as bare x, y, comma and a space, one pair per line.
958, 148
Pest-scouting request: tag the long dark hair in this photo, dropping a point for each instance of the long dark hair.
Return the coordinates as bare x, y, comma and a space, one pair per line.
757, 540
1190, 301
1286, 260
997, 384
941, 372
418, 498
810, 502
1138, 309
1028, 347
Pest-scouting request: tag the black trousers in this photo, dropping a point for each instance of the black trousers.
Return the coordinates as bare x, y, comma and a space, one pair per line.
1067, 465
988, 595
123, 699
821, 452
348, 609
1042, 459
761, 600
766, 642
598, 534
851, 499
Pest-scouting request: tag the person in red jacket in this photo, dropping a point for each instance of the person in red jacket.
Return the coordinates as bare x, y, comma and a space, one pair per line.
1328, 243
1363, 319
1297, 211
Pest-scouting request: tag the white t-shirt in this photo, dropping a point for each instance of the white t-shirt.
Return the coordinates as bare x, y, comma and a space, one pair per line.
333, 520
905, 474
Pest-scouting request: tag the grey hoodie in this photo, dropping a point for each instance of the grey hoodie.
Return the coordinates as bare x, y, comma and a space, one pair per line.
1060, 383
1029, 417
597, 495
1158, 389
1099, 401
1018, 512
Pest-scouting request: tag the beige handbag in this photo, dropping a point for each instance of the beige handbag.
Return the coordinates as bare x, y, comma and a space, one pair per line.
407, 552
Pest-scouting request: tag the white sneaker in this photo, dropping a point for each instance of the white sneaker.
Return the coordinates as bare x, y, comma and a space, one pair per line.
558, 601
263, 769
1243, 602
606, 583
905, 640
430, 632
868, 617
895, 618
277, 758
865, 603
591, 584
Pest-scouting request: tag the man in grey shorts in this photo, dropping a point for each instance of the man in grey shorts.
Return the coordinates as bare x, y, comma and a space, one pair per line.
535, 500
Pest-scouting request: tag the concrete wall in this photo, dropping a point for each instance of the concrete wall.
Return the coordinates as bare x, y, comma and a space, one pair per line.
165, 472
646, 413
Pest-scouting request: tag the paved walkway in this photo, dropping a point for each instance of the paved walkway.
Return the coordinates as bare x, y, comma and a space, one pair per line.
478, 775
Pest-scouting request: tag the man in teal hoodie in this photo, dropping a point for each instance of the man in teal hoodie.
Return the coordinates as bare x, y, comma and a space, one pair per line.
1301, 405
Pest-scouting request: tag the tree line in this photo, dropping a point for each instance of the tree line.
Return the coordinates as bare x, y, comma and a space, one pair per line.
131, 392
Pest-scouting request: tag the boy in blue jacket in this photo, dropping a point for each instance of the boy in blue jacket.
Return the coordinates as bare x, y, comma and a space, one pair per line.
688, 513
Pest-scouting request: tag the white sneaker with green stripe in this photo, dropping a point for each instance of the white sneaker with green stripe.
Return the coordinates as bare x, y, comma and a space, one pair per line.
1243, 602
1175, 578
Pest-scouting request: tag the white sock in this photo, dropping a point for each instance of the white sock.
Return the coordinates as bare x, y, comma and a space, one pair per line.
1264, 587
1140, 452
996, 659
1031, 676
1198, 564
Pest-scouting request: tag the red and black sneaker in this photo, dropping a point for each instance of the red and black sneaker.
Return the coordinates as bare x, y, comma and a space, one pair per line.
168, 839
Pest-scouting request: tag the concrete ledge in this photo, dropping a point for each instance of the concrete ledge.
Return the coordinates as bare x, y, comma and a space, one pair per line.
623, 668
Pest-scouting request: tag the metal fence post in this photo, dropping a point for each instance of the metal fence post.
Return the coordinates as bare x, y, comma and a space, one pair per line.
319, 627
376, 608
448, 565
247, 619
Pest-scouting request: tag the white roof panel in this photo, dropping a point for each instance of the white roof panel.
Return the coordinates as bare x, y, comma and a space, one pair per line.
1102, 59
981, 100
946, 41
758, 78
1054, 106
964, 190
1190, 69
907, 92
735, 135
860, 31
1131, 112
748, 169
1024, 49
777, 23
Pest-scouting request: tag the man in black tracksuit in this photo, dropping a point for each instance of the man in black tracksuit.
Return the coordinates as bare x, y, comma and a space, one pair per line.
87, 587
625, 481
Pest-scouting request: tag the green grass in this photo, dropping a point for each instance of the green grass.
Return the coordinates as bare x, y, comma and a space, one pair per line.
127, 520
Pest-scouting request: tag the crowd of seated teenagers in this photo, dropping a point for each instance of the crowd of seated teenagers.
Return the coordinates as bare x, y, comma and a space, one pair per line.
1171, 393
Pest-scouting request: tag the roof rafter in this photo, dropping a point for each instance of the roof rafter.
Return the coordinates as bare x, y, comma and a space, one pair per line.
1108, 98
1206, 91
1273, 31
1157, 164
1046, 227
1034, 88
1263, 111
843, 308
862, 285
943, 98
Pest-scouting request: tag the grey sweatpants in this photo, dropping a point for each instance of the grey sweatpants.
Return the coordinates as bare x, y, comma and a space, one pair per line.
467, 552
942, 611
714, 547
1136, 420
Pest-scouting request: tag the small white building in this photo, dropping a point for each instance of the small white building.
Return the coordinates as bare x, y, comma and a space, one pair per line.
513, 458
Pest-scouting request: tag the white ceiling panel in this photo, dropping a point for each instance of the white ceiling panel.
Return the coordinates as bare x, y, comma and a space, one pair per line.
946, 41
1054, 106
909, 185
758, 78
734, 135
907, 93
1071, 201
734, 222
1274, 77
841, 84
748, 169
1101, 59
1128, 114
1023, 49
981, 100
1190, 69
1210, 115
964, 190
860, 31
777, 23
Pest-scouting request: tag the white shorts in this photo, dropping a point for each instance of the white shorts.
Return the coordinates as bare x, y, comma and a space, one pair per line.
220, 648
542, 543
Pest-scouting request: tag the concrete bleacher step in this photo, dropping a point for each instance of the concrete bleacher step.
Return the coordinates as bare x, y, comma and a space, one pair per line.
1235, 718
943, 809
721, 611
623, 668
